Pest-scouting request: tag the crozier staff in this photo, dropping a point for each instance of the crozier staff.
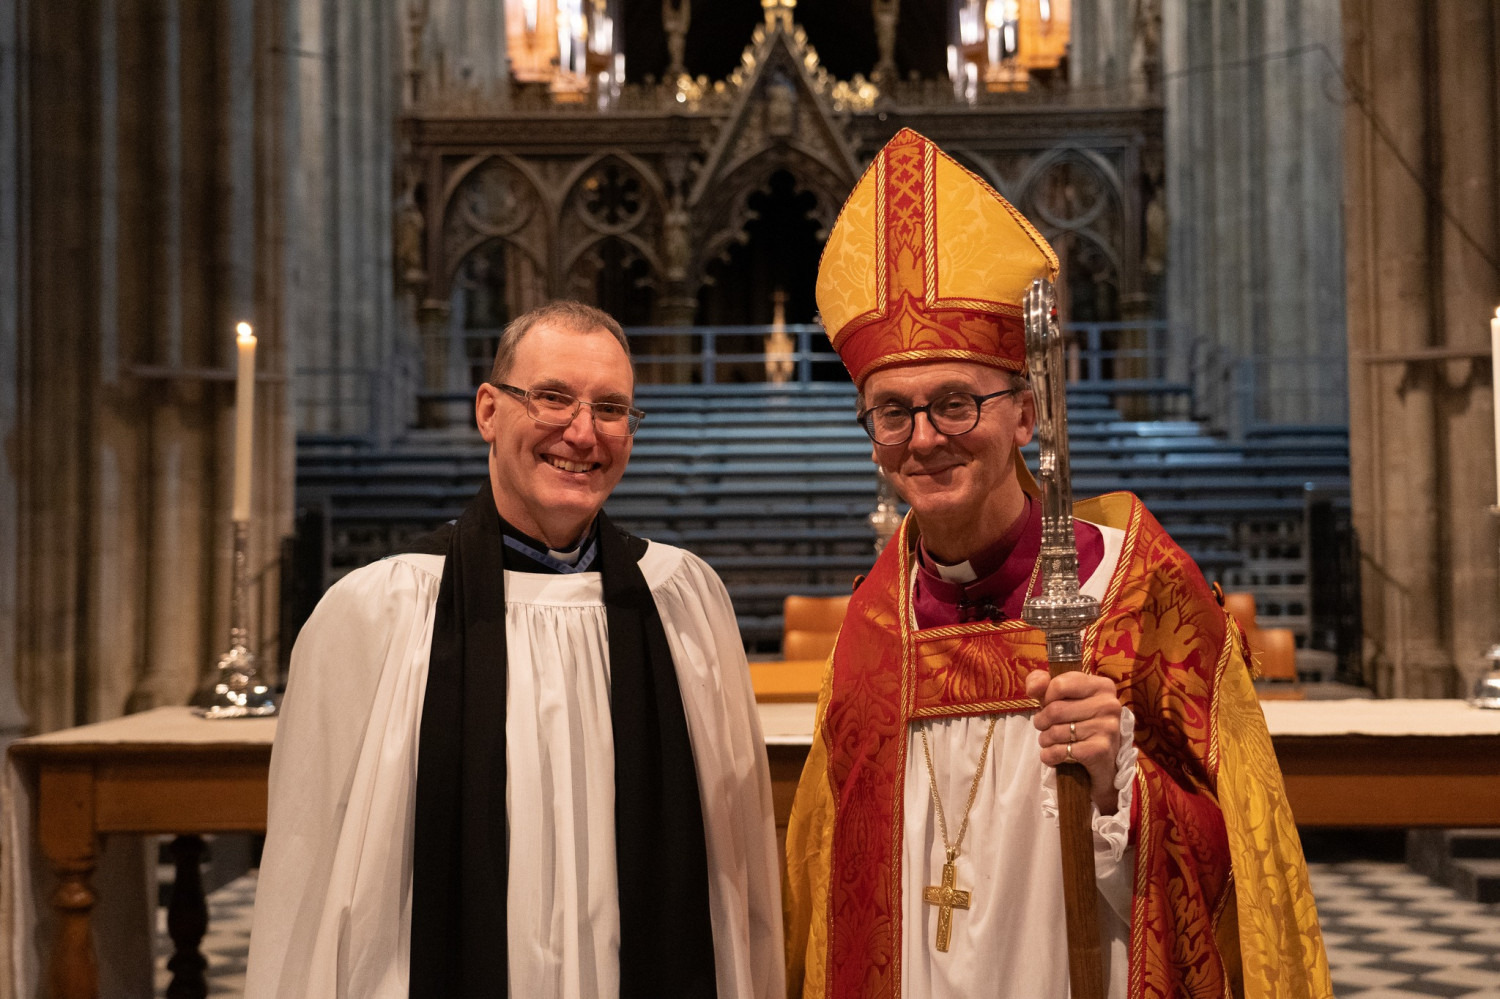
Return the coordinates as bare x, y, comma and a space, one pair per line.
923, 853
524, 759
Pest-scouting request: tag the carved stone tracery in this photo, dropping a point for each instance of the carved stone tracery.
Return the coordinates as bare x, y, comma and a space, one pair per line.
661, 188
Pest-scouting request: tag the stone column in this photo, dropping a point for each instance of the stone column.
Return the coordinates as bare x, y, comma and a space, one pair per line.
178, 424
138, 245
270, 280
12, 283
465, 49
1255, 232
1100, 45
341, 313
1422, 285
57, 496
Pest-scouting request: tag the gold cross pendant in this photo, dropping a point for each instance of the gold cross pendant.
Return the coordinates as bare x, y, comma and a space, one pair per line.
946, 898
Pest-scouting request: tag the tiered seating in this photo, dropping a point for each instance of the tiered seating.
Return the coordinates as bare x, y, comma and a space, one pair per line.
773, 485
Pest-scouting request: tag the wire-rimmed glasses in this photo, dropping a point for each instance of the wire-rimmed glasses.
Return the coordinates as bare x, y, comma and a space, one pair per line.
558, 409
950, 414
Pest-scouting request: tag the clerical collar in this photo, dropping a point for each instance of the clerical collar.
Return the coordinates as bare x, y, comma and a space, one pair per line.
984, 562
523, 553
991, 585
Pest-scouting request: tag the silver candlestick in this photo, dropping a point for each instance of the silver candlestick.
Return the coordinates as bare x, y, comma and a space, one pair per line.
1486, 692
239, 693
886, 519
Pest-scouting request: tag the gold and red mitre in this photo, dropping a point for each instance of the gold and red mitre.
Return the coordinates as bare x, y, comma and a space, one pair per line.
927, 263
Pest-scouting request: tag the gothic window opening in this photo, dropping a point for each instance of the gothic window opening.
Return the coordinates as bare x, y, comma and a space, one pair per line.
610, 228
616, 277
1078, 209
779, 244
495, 282
1077, 205
611, 196
1090, 278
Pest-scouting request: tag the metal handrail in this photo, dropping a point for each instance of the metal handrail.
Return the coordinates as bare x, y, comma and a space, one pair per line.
1150, 360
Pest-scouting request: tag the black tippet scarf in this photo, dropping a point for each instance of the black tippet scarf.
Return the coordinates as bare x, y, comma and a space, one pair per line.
460, 856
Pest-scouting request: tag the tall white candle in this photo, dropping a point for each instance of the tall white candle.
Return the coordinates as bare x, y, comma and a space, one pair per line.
244, 420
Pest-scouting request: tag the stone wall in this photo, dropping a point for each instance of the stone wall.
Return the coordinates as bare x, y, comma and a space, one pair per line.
463, 50
12, 719
344, 68
1253, 151
135, 171
1422, 146
165, 171
1115, 45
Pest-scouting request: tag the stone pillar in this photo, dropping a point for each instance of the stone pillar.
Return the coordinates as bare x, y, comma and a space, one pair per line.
176, 425
147, 157
1422, 286
341, 314
465, 50
12, 283
1100, 44
1252, 180
57, 499
270, 279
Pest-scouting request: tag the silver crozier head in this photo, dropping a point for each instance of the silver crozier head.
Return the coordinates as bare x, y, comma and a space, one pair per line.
1058, 608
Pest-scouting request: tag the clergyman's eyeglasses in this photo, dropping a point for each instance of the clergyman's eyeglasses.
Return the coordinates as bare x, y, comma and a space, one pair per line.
952, 414
558, 409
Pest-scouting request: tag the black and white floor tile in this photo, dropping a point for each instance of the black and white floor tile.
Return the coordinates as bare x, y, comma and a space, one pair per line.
1391, 934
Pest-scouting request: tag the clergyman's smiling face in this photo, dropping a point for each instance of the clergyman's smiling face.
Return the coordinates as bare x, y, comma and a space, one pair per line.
551, 481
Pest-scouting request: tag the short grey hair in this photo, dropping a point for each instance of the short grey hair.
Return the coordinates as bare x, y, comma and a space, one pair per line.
575, 317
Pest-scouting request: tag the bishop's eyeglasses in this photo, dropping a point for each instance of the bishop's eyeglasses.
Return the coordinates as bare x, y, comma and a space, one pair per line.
558, 409
951, 414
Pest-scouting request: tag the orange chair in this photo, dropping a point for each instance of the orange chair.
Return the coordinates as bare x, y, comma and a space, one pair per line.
1274, 650
1277, 649
810, 625
1241, 607
798, 643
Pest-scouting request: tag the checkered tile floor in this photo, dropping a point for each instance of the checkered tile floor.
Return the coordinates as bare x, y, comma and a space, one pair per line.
1394, 934
1391, 934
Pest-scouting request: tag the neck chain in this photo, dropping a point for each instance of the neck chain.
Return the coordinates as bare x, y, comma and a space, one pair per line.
945, 896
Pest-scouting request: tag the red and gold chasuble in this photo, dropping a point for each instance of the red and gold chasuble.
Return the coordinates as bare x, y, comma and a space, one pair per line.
1220, 898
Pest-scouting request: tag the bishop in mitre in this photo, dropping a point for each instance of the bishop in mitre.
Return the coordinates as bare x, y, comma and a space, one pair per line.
923, 852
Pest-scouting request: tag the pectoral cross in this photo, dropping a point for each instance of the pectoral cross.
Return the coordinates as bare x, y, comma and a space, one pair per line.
946, 898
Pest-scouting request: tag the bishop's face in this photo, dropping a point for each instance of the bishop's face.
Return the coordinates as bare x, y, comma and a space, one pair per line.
551, 481
962, 489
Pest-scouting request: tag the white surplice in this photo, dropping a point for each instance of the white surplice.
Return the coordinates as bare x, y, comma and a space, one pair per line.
1008, 943
333, 906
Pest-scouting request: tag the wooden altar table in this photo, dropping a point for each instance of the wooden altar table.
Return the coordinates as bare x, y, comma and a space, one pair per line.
1347, 763
1392, 763
161, 771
